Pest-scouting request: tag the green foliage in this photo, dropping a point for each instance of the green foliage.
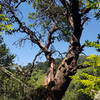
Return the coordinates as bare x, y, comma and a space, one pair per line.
81, 59
46, 14
11, 89
92, 44
93, 60
84, 85
93, 4
77, 89
95, 44
86, 82
91, 82
6, 58
37, 78
3, 19
97, 15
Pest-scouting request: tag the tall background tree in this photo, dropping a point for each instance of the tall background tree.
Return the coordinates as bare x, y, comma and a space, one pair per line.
54, 20
6, 59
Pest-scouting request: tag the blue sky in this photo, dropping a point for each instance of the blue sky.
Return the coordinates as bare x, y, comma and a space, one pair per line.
26, 53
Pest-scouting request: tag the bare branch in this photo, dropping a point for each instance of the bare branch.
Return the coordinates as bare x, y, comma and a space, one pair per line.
34, 38
38, 54
65, 3
20, 41
84, 20
32, 34
20, 3
51, 32
61, 54
85, 11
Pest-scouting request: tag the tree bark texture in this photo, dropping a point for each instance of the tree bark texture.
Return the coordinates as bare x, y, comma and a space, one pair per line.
68, 66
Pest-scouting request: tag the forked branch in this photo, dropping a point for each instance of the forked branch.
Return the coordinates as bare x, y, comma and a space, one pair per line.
50, 38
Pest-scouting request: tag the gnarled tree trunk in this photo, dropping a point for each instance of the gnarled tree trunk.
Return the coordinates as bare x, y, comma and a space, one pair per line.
68, 66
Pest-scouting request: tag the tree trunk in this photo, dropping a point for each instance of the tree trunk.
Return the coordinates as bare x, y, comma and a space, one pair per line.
66, 69
58, 83
68, 66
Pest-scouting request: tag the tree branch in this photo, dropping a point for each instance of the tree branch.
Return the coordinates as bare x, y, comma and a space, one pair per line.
12, 76
85, 11
20, 3
38, 54
65, 3
20, 41
32, 34
49, 41
83, 66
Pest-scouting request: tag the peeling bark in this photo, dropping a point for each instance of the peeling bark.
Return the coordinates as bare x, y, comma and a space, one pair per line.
51, 74
67, 68
68, 65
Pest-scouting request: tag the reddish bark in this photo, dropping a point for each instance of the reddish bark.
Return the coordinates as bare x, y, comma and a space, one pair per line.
68, 65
